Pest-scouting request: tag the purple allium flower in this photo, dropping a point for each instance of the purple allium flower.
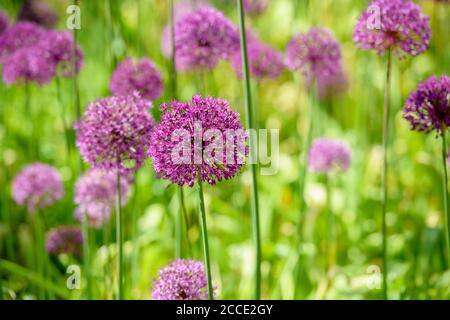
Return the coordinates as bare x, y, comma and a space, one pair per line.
327, 155
202, 38
330, 87
181, 9
30, 64
399, 25
264, 61
4, 21
37, 186
316, 54
64, 240
137, 75
428, 108
181, 280
20, 35
39, 12
255, 7
95, 195
115, 132
178, 152
59, 47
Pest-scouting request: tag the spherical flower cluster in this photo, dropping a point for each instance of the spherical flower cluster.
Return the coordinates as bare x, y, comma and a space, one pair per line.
64, 240
20, 35
264, 61
203, 38
39, 12
195, 140
95, 195
181, 280
59, 47
316, 54
4, 21
37, 186
327, 155
137, 75
27, 65
255, 7
428, 108
115, 132
397, 25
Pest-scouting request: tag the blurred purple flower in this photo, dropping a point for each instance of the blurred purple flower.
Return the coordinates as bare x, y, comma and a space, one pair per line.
399, 25
64, 240
316, 54
183, 123
181, 280
327, 155
115, 132
4, 21
59, 47
95, 195
28, 65
39, 12
137, 75
428, 108
264, 61
181, 9
331, 87
20, 35
203, 38
255, 7
37, 186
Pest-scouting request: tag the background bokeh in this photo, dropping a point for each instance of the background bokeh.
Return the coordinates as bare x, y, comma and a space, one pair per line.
415, 216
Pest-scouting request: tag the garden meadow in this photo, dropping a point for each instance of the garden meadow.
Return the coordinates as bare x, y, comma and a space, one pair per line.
224, 149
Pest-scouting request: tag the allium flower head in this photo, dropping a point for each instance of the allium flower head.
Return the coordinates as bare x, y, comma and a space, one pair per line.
137, 75
255, 7
39, 12
95, 195
203, 38
181, 280
64, 240
264, 61
4, 21
428, 108
20, 35
37, 186
30, 64
115, 132
193, 140
59, 47
316, 54
399, 25
326, 155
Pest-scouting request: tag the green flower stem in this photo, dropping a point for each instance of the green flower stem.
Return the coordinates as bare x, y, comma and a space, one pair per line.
86, 255
40, 252
76, 89
205, 239
384, 199
63, 116
331, 225
445, 194
119, 239
253, 167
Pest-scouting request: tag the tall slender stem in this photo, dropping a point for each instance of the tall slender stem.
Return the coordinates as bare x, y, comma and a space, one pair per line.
253, 167
384, 199
331, 225
76, 89
445, 195
119, 238
86, 255
40, 252
63, 116
205, 239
